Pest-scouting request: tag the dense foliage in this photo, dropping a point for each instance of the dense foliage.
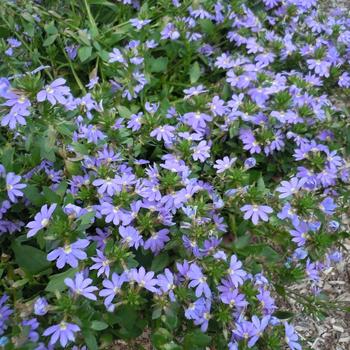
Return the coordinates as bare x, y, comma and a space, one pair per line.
169, 167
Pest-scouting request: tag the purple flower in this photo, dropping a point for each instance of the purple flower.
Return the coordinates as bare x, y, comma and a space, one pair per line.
108, 186
201, 151
300, 234
170, 32
233, 298
101, 264
249, 163
237, 275
224, 61
344, 80
194, 91
131, 237
259, 327
328, 206
217, 106
13, 187
115, 214
244, 330
5, 312
291, 187
224, 164
112, 288
291, 337
40, 306
267, 302
81, 286
116, 56
41, 220
157, 241
197, 119
135, 121
312, 270
249, 141
4, 87
72, 51
64, 332
15, 117
166, 283
321, 67
55, 92
70, 254
289, 212
32, 325
199, 281
256, 212
144, 279
19, 103
139, 23
92, 82
165, 132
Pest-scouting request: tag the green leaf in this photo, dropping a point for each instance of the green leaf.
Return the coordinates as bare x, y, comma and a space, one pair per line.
104, 3
7, 157
124, 112
104, 55
160, 262
195, 72
160, 337
159, 64
262, 250
84, 53
56, 283
32, 193
196, 340
51, 196
98, 325
171, 321
30, 259
126, 316
90, 340
171, 346
50, 40
157, 312
242, 242
50, 28
283, 315
86, 221
80, 148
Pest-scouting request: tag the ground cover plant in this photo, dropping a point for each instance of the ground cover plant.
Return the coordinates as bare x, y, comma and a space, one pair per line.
169, 167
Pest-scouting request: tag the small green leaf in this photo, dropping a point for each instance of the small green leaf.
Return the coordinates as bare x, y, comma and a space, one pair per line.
33, 194
30, 259
242, 242
98, 325
196, 340
80, 148
7, 157
50, 28
50, 40
84, 53
160, 337
160, 262
51, 196
126, 316
90, 340
56, 283
159, 64
195, 72
283, 315
124, 112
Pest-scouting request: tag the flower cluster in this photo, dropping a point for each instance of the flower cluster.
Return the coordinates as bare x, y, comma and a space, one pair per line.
198, 171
